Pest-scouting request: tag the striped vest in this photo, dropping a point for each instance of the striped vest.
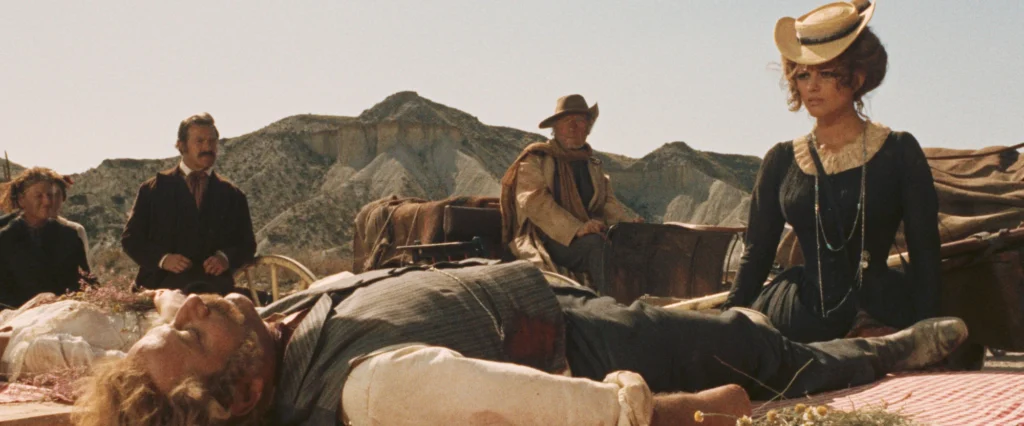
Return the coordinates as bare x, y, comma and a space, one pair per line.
500, 312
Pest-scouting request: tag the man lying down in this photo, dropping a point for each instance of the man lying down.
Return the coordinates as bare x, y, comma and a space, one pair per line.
471, 343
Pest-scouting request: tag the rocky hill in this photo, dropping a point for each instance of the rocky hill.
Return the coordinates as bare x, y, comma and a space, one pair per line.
676, 183
306, 176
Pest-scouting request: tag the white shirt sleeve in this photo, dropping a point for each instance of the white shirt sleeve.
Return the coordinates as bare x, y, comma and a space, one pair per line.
55, 352
69, 333
429, 385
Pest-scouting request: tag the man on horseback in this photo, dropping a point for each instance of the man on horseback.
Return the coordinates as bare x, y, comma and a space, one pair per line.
557, 202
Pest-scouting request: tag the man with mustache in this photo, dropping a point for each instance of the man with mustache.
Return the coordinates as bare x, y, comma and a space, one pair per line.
189, 228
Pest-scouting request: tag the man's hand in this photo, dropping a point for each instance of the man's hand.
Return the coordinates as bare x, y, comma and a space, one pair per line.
729, 402
215, 265
176, 263
592, 226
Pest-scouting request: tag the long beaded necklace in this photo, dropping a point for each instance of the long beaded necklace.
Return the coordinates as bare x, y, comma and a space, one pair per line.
819, 227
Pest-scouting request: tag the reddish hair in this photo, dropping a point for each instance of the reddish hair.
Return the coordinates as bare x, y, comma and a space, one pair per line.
866, 56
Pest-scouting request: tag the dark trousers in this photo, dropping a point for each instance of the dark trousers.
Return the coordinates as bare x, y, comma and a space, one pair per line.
196, 280
688, 351
584, 254
792, 304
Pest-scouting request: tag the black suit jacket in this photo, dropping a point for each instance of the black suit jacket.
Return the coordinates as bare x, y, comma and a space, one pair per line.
27, 270
165, 220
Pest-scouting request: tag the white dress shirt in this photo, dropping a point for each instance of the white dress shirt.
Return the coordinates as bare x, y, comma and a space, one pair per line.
431, 385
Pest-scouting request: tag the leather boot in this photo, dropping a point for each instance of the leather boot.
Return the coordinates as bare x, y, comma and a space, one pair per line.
755, 316
920, 345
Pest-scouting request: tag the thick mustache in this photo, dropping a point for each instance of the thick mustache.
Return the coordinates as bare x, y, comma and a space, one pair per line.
208, 153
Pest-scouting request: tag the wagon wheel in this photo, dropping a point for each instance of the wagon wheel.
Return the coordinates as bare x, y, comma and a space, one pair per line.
274, 262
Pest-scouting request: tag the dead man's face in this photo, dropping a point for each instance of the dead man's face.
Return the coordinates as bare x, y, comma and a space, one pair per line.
204, 334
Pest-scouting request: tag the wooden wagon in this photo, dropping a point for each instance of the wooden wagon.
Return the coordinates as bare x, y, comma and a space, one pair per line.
687, 266
672, 260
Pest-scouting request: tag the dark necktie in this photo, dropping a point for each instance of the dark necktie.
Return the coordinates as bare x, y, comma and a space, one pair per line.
197, 185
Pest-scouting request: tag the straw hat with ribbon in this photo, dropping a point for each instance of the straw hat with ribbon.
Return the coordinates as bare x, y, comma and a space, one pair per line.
824, 33
572, 104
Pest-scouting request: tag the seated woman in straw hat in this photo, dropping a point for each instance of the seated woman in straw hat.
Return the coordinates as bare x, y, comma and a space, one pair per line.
844, 188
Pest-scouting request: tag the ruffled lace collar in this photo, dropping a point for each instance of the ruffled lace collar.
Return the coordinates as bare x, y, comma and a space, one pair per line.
849, 156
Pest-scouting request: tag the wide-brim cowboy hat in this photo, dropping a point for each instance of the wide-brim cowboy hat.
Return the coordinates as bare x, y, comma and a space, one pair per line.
572, 104
824, 33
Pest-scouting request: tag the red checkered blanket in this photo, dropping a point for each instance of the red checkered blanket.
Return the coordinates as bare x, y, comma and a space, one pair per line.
960, 398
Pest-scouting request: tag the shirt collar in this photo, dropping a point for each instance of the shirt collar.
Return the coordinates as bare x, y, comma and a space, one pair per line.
187, 171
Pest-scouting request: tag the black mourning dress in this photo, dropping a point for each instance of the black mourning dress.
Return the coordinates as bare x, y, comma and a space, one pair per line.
899, 188
33, 261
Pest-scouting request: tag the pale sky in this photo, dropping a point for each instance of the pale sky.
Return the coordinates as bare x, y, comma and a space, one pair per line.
85, 81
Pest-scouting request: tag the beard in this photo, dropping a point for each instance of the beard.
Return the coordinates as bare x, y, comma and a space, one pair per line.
245, 364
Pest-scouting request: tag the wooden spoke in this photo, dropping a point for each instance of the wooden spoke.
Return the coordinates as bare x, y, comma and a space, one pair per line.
249, 283
275, 290
274, 262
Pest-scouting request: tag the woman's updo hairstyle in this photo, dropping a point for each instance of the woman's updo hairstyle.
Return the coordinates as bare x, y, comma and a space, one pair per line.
865, 55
